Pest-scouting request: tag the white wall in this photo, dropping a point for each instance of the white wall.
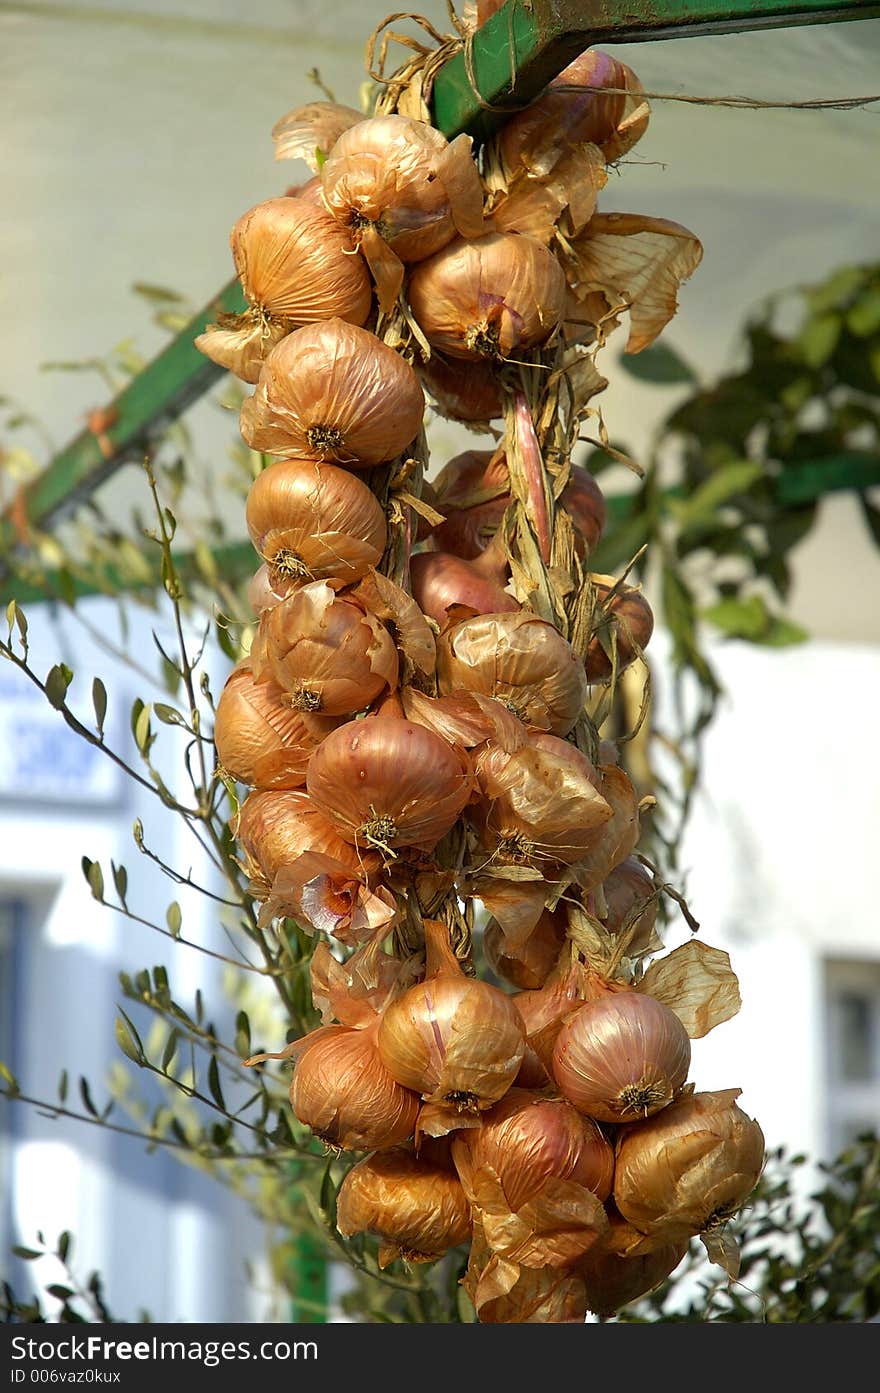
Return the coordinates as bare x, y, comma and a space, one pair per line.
164, 1238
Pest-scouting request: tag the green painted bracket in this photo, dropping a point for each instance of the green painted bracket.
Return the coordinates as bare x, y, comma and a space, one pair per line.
528, 42
512, 58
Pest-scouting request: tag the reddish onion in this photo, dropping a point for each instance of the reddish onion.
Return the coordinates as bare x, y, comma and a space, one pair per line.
622, 1056
387, 782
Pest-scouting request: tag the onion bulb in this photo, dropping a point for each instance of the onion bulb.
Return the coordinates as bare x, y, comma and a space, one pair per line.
327, 652
520, 659
456, 1040
295, 263
315, 521
441, 582
336, 392
627, 616
460, 391
417, 1209
343, 1093
260, 739
687, 1170
274, 827
618, 1270
401, 192
622, 1056
490, 297
529, 1138
473, 493
537, 804
575, 110
387, 782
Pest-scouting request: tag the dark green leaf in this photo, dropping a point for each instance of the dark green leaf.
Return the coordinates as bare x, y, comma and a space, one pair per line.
214, 1084
86, 1095
62, 1086
28, 1254
60, 1292
64, 1245
658, 363
120, 880
327, 1200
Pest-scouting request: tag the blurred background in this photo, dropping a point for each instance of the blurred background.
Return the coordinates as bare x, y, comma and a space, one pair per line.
135, 133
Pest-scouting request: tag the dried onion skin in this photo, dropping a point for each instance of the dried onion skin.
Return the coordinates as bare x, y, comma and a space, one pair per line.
687, 1170
492, 297
417, 1209
315, 521
333, 391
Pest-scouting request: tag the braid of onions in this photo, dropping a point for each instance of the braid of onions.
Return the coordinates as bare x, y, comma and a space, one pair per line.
417, 726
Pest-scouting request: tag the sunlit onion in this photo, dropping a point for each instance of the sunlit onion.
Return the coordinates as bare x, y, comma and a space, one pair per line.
622, 1056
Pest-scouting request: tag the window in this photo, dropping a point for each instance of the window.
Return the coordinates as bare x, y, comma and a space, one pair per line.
852, 992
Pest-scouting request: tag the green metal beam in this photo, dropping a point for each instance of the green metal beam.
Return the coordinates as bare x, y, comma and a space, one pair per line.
528, 42
158, 395
512, 58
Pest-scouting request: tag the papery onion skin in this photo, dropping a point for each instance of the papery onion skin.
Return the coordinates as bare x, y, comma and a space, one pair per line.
631, 616
489, 297
315, 127
615, 1279
240, 342
619, 836
342, 1091
574, 110
295, 262
261, 741
266, 590
326, 651
315, 521
514, 1295
520, 659
386, 171
621, 1057
525, 965
538, 804
528, 1138
685, 1171
334, 391
274, 827
413, 1206
630, 897
454, 1039
394, 776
